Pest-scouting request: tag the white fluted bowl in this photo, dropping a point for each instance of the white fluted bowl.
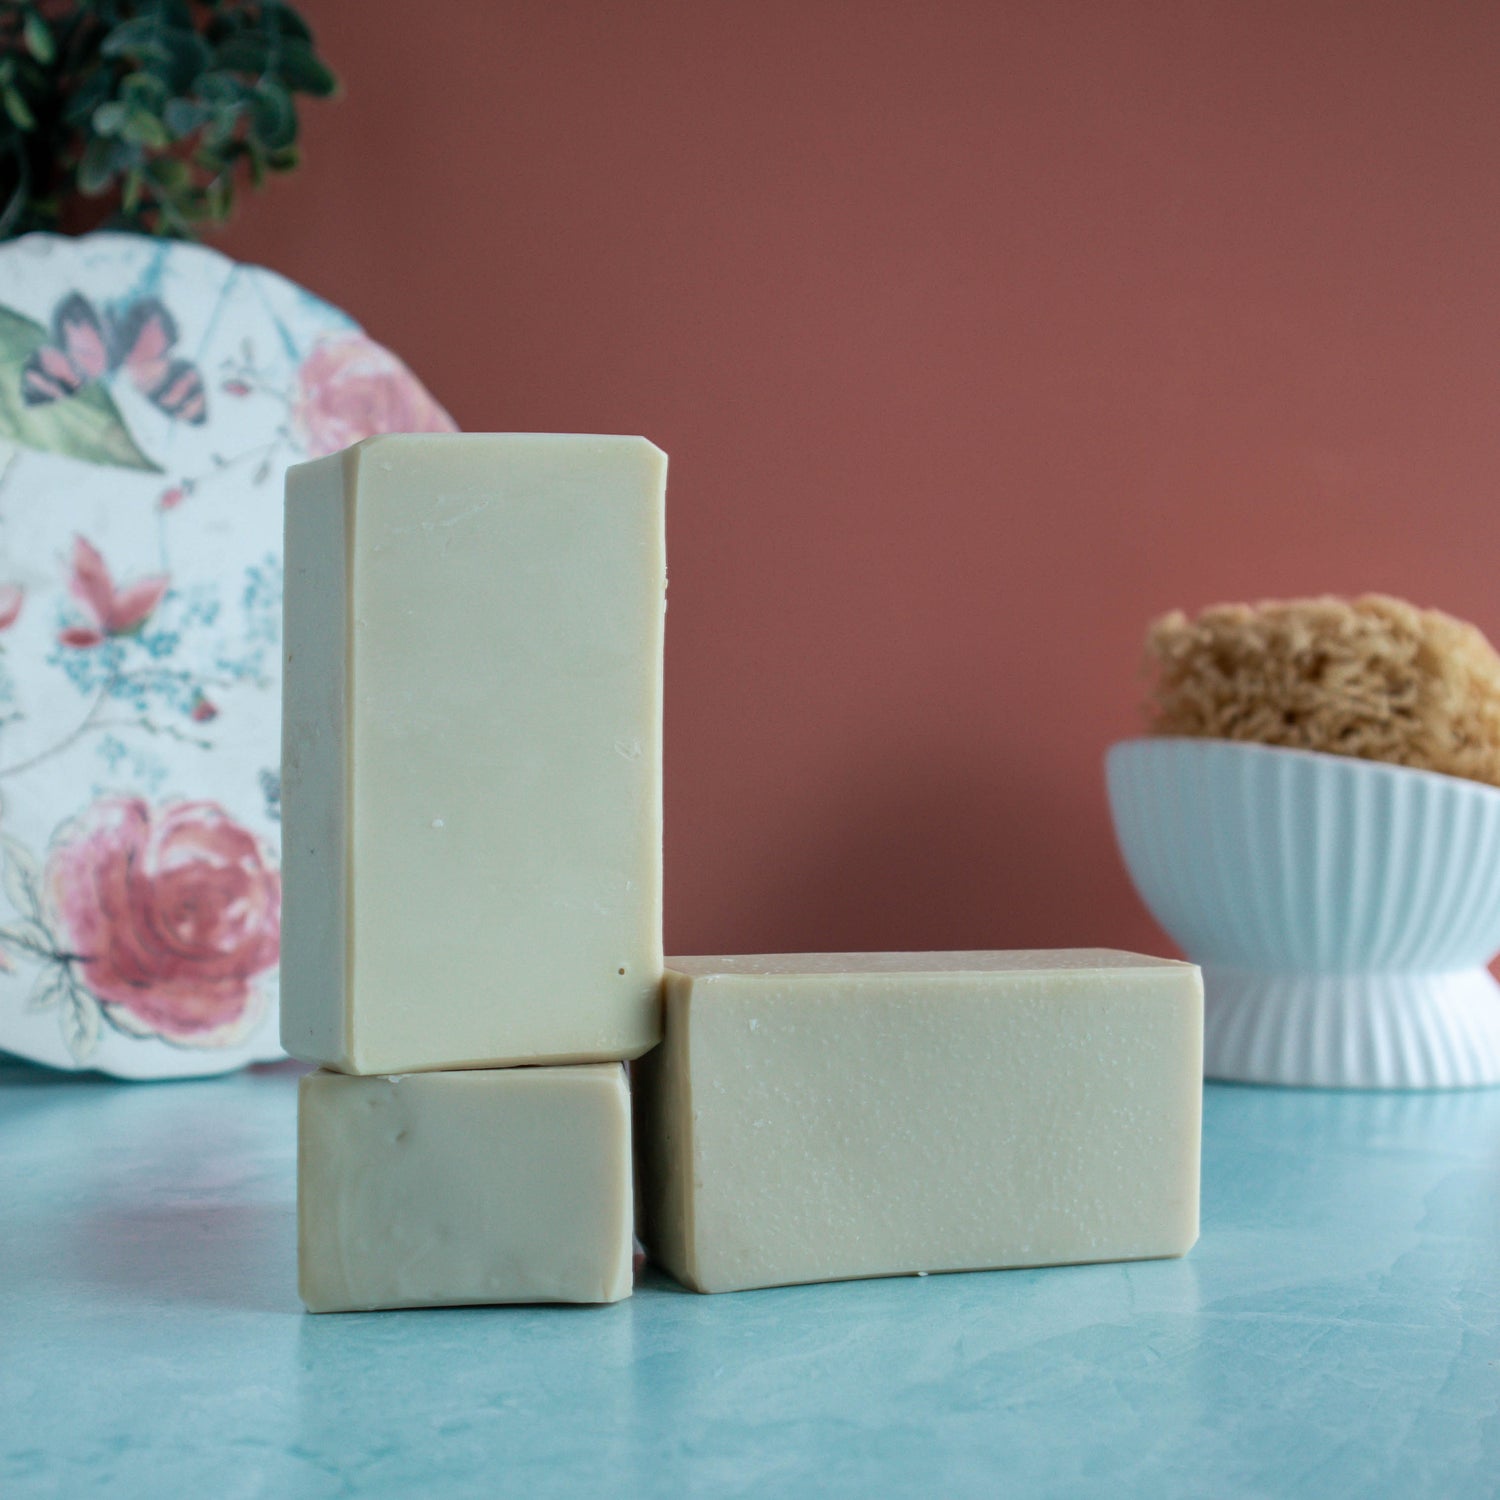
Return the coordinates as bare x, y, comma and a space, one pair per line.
1344, 912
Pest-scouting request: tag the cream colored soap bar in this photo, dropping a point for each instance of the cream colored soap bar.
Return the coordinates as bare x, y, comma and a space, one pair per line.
471, 759
813, 1117
432, 1189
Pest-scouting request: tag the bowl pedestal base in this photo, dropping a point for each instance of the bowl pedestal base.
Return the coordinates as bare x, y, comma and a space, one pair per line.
1359, 1031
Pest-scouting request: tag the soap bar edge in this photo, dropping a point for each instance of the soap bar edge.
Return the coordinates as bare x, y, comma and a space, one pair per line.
315, 1028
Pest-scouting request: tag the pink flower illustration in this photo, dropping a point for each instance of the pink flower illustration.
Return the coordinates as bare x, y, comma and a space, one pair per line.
172, 912
350, 388
12, 595
113, 611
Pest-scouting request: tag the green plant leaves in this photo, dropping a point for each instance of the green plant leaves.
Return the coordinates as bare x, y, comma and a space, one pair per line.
245, 52
86, 426
97, 95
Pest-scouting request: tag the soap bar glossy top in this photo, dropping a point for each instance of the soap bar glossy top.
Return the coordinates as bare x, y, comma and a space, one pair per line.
814, 1117
472, 752
959, 961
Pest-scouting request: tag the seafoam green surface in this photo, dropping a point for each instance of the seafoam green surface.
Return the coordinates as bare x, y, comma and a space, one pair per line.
1335, 1333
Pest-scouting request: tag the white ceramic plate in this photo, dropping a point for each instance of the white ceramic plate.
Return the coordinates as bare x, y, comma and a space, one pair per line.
152, 395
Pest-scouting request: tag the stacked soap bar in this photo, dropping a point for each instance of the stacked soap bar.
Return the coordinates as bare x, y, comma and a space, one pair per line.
471, 793
472, 883
489, 1185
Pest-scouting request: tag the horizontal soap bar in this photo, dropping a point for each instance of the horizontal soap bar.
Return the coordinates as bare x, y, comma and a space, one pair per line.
478, 1186
471, 765
815, 1117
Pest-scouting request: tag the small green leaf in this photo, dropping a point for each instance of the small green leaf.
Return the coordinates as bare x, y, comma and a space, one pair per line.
222, 129
12, 215
273, 115
169, 172
303, 70
39, 41
187, 58
144, 129
218, 196
17, 108
131, 193
141, 36
183, 116
286, 20
220, 89
145, 90
96, 171
85, 98
110, 118
243, 53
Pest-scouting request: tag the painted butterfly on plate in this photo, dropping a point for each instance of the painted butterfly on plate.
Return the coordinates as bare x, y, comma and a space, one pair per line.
86, 347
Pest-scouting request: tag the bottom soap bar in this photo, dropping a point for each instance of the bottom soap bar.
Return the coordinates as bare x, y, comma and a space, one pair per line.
816, 1117
433, 1189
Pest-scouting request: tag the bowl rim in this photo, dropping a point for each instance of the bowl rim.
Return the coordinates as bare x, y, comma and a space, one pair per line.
1356, 765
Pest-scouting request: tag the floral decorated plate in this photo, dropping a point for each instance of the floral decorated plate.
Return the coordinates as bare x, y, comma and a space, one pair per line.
152, 395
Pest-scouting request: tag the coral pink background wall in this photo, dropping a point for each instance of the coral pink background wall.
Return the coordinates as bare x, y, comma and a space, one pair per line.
978, 333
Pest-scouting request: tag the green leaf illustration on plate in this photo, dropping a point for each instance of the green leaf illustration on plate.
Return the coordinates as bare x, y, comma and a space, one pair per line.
86, 425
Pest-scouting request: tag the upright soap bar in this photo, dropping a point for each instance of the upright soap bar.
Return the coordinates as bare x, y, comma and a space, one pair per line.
814, 1117
471, 759
478, 1186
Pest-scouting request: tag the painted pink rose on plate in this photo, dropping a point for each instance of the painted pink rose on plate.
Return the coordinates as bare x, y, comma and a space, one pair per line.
171, 912
350, 388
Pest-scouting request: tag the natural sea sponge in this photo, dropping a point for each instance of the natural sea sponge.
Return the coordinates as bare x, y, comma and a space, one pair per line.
1372, 677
